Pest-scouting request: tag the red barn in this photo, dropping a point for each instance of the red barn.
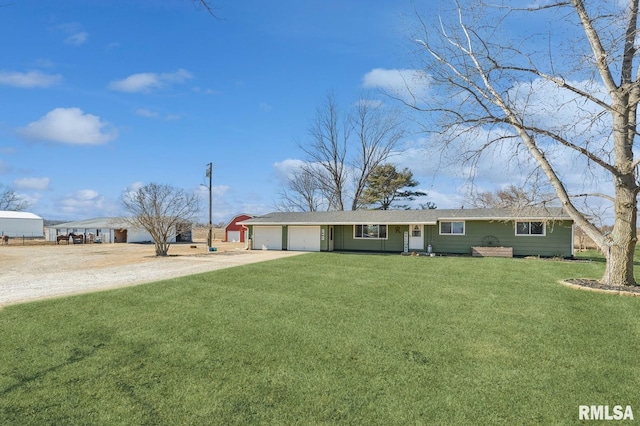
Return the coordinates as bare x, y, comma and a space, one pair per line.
234, 232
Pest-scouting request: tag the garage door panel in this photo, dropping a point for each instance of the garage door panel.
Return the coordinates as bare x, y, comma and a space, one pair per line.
304, 238
267, 238
233, 236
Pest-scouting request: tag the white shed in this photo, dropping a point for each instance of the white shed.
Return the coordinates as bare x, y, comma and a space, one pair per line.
21, 224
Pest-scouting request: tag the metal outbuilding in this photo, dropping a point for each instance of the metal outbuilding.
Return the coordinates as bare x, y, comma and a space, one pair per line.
108, 230
21, 224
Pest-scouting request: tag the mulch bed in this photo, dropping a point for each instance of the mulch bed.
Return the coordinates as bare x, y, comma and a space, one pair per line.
595, 285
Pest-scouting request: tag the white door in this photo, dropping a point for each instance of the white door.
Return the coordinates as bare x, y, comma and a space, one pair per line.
416, 237
304, 238
267, 237
233, 236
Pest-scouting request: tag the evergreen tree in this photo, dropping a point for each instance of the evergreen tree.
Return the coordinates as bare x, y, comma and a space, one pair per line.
386, 185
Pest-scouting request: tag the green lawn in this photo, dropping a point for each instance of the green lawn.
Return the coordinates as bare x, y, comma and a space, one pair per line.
327, 338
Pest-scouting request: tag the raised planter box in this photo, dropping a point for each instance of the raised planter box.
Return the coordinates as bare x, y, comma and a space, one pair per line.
492, 251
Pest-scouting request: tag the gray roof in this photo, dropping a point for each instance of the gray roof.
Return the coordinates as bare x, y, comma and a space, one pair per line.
403, 216
97, 223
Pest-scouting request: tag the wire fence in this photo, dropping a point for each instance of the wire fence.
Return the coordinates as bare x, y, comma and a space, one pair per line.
23, 239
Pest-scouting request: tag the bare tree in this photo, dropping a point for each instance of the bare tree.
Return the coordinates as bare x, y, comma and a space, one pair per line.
327, 150
494, 81
303, 191
11, 201
378, 133
344, 149
162, 210
512, 197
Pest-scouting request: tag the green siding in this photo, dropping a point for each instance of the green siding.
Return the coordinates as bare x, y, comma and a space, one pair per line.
394, 243
556, 242
324, 242
285, 236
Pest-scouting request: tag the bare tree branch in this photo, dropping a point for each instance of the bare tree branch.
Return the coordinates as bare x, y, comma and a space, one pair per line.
342, 151
207, 6
162, 210
490, 89
10, 200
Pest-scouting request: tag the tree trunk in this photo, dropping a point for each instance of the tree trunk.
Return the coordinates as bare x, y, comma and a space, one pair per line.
162, 249
621, 243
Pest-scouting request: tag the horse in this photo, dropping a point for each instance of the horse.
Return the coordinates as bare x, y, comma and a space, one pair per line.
62, 238
5, 240
76, 238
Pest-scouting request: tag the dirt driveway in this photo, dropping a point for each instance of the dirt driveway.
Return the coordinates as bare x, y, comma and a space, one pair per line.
35, 272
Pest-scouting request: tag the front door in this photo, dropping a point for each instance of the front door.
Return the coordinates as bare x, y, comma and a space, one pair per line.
416, 237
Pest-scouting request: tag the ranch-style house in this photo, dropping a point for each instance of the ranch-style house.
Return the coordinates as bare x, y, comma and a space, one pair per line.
530, 232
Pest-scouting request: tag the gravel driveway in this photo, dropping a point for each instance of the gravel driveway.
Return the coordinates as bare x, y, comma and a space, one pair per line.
45, 271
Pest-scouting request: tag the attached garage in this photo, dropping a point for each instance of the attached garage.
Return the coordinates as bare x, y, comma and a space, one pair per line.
267, 238
304, 238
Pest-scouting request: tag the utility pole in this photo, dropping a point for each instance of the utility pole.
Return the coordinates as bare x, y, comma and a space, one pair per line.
209, 175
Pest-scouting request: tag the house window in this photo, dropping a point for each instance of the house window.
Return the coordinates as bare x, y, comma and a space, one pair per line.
416, 231
452, 228
530, 228
370, 231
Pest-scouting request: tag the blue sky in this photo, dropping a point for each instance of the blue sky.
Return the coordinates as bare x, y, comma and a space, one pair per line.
100, 96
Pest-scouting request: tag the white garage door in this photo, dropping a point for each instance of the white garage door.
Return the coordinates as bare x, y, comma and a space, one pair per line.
267, 237
304, 238
233, 236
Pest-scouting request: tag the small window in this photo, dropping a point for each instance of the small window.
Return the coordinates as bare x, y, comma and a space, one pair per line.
530, 228
370, 231
416, 231
452, 228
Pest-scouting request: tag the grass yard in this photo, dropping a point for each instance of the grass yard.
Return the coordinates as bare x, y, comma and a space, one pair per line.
327, 338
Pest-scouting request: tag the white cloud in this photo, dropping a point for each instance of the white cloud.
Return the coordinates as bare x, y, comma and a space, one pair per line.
148, 82
29, 79
4, 167
198, 89
83, 202
216, 190
31, 199
132, 189
410, 85
285, 169
143, 112
76, 36
77, 39
69, 125
38, 184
